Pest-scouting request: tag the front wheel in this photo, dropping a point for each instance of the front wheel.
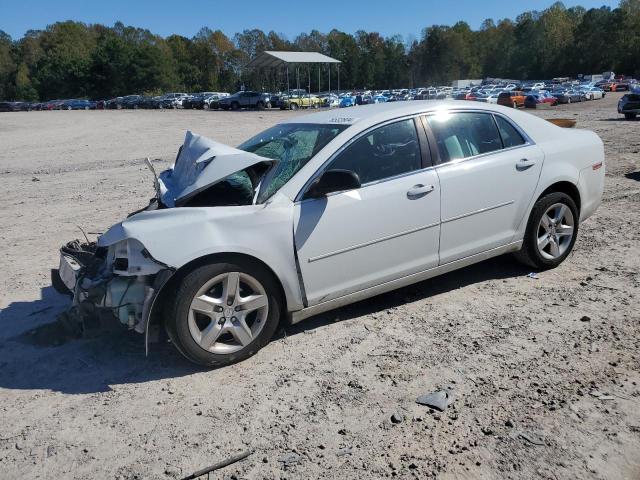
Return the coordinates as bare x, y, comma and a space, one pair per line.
551, 231
222, 313
293, 106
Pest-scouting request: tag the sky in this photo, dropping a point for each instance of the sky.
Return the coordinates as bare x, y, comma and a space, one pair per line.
165, 17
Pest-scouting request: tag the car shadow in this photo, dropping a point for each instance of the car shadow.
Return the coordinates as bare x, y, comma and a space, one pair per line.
37, 353
633, 175
493, 269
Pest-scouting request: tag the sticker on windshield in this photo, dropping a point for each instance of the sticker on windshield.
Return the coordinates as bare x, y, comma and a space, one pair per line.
342, 120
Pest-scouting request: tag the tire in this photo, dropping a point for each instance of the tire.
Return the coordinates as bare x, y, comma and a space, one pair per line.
515, 104
235, 106
186, 327
293, 106
68, 108
205, 106
629, 116
268, 105
260, 105
549, 256
568, 100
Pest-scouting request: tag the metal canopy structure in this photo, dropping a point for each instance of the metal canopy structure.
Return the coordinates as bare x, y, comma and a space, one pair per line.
272, 59
279, 59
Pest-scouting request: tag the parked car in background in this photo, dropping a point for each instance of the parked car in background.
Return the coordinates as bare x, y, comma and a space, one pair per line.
629, 104
568, 95
245, 99
77, 104
10, 106
300, 101
133, 102
200, 101
349, 101
175, 99
513, 98
329, 209
534, 99
592, 93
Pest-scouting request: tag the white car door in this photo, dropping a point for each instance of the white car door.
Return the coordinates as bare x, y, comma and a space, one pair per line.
387, 229
488, 172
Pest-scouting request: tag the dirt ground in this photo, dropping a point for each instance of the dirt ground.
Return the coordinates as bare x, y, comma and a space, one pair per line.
545, 371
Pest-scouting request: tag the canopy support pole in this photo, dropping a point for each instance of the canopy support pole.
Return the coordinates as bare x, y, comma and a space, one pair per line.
329, 85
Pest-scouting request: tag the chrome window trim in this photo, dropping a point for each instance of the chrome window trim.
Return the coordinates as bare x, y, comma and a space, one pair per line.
355, 138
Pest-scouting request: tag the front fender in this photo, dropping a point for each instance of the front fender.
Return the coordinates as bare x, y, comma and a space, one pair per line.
177, 236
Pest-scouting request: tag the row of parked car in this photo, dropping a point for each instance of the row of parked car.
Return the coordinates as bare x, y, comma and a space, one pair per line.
530, 95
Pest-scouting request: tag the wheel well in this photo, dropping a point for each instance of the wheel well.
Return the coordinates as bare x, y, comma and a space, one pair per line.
564, 187
167, 289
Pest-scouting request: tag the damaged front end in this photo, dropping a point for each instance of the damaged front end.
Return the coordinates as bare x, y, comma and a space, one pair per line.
117, 276
118, 281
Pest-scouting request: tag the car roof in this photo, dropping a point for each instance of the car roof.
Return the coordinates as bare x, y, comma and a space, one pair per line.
380, 112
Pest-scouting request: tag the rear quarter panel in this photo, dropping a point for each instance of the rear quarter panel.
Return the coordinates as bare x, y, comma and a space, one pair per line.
570, 156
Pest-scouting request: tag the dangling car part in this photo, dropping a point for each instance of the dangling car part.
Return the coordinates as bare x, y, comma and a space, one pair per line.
329, 209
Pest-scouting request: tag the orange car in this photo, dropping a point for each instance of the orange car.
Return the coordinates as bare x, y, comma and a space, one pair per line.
514, 98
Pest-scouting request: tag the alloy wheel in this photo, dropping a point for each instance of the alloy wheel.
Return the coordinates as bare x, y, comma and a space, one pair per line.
555, 231
228, 312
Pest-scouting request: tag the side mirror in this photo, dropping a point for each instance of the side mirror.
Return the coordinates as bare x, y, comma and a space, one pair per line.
333, 181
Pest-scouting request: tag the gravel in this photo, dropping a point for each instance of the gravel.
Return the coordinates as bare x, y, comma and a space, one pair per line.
99, 408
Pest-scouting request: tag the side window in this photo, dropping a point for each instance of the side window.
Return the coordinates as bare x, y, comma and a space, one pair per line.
462, 135
382, 153
510, 136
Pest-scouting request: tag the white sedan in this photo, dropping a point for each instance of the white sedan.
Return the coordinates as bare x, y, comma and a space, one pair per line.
593, 93
329, 209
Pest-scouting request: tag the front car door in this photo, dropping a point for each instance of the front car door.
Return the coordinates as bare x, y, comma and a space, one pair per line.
387, 229
488, 171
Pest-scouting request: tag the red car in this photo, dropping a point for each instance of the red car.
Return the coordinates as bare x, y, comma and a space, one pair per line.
534, 99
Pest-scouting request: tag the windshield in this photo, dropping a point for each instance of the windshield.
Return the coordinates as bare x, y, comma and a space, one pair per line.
293, 145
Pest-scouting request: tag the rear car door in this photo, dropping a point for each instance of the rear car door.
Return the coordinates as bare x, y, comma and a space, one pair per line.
488, 170
387, 229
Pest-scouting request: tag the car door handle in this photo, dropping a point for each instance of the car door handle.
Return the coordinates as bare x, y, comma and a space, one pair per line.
418, 191
525, 163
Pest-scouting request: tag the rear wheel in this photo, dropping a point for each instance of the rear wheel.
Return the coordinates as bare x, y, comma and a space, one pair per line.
235, 106
293, 106
223, 312
551, 231
260, 105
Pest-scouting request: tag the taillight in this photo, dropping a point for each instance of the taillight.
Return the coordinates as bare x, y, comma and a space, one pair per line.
596, 166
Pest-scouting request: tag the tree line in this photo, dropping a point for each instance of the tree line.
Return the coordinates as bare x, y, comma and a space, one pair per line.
75, 60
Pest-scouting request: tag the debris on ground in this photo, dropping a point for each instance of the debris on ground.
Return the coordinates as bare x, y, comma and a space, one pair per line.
290, 458
531, 438
219, 465
439, 400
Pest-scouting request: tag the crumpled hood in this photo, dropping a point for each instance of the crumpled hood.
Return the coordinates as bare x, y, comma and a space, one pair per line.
201, 163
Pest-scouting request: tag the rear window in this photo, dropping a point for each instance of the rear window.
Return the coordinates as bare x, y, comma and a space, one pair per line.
510, 136
463, 135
